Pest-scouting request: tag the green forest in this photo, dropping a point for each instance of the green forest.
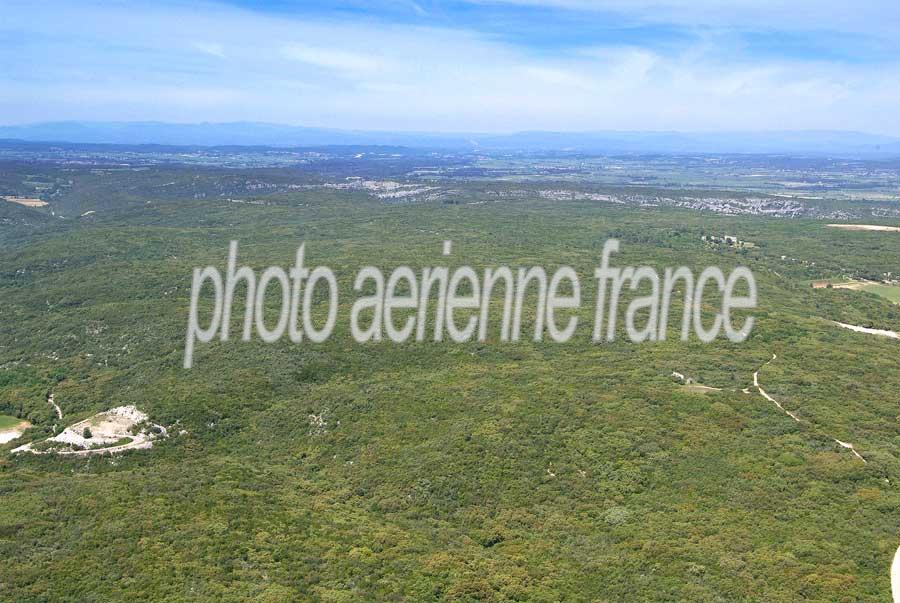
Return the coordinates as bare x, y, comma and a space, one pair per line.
436, 471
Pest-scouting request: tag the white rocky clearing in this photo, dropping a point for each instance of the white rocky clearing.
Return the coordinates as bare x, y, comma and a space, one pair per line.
105, 430
895, 576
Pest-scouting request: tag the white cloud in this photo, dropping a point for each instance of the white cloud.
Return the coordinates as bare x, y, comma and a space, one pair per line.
387, 76
860, 16
211, 48
335, 59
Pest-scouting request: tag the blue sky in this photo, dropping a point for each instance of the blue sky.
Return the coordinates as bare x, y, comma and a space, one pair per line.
475, 65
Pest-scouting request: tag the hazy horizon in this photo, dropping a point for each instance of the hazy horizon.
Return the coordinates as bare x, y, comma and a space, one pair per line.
261, 134
450, 132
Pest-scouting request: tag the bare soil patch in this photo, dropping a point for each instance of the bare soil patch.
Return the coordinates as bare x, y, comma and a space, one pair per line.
11, 433
870, 227
26, 201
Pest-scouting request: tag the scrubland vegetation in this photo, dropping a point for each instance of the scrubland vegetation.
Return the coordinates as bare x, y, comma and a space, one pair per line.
494, 471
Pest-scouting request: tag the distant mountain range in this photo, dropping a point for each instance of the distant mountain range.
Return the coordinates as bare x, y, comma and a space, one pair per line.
837, 143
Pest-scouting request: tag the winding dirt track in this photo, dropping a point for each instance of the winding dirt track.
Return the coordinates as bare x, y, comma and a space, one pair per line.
879, 332
139, 442
765, 395
54, 404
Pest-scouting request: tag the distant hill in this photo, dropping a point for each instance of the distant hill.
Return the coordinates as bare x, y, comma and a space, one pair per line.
220, 134
788, 142
840, 143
